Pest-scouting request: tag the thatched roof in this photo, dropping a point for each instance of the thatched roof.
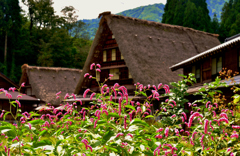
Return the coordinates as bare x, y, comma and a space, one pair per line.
149, 48
208, 53
47, 81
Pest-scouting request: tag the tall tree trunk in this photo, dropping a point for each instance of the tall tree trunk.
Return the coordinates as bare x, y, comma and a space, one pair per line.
5, 55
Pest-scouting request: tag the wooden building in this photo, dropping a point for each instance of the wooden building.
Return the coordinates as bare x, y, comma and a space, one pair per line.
136, 50
27, 103
206, 66
44, 82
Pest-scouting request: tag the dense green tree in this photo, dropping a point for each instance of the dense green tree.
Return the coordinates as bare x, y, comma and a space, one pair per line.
169, 11
40, 38
188, 13
230, 19
10, 25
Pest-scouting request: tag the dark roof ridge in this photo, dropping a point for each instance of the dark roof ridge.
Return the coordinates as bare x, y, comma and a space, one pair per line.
155, 23
49, 68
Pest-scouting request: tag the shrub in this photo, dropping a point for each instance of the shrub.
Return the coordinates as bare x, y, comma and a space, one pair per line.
122, 126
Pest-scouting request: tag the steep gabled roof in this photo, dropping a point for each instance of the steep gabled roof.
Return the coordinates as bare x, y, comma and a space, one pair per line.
207, 53
149, 48
47, 81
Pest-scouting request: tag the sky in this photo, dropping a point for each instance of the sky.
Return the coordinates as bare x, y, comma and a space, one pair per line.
89, 9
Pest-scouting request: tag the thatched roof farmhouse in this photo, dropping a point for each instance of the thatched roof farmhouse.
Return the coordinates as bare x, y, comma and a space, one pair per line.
148, 48
45, 82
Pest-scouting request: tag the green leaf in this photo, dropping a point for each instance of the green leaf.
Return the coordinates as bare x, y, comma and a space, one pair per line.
113, 115
138, 122
144, 94
38, 121
107, 136
111, 149
4, 116
130, 106
42, 143
149, 116
43, 132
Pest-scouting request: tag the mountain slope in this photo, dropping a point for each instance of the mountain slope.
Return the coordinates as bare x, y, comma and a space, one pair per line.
153, 13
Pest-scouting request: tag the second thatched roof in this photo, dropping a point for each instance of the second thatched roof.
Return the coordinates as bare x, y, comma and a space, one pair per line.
47, 81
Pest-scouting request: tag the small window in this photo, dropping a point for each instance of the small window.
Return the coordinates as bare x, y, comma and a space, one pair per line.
113, 54
219, 64
115, 73
98, 76
129, 75
198, 73
122, 57
214, 66
113, 37
104, 56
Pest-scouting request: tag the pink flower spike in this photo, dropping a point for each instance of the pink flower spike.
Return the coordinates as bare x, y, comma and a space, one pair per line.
91, 96
87, 74
92, 65
229, 149
207, 104
98, 65
23, 84
98, 70
174, 115
19, 104
166, 132
206, 126
58, 93
85, 93
185, 116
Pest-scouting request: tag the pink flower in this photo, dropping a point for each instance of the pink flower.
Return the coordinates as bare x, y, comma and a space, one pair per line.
66, 96
98, 65
12, 89
196, 114
85, 93
30, 126
95, 124
159, 86
234, 135
166, 132
223, 119
98, 70
229, 149
119, 134
174, 115
166, 88
231, 154
159, 130
92, 65
110, 75
235, 127
159, 136
174, 102
23, 84
130, 135
91, 96
214, 114
170, 105
58, 93
87, 74
206, 126
224, 115
207, 104
19, 104
185, 116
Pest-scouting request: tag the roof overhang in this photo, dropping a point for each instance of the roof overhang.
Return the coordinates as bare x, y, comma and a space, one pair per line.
207, 53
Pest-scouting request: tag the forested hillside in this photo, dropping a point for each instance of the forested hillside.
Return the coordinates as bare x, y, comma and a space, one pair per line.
154, 13
41, 38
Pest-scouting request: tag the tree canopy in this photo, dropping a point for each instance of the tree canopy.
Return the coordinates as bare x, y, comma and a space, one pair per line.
40, 38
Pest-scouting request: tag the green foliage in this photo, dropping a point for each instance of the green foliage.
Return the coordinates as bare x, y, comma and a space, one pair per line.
41, 38
230, 19
126, 127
